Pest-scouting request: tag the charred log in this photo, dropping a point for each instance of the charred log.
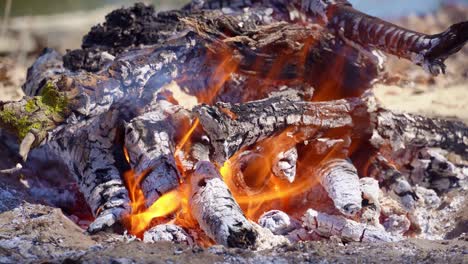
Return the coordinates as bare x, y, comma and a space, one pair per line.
348, 230
149, 141
341, 181
216, 210
234, 126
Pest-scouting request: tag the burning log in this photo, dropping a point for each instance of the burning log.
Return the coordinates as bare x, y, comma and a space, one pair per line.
216, 210
348, 230
87, 148
149, 141
234, 126
366, 32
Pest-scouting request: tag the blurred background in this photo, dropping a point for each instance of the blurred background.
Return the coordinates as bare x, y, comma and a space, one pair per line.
375, 7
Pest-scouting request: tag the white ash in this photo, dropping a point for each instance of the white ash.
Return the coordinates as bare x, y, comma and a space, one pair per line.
323, 145
433, 170
285, 165
167, 232
278, 222
302, 234
397, 224
425, 216
266, 239
370, 212
218, 214
346, 229
390, 206
370, 189
340, 179
407, 196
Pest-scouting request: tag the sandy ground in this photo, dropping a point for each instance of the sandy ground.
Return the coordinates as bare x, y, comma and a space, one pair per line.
29, 229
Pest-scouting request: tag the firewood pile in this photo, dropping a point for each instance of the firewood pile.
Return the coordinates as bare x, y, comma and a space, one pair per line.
248, 124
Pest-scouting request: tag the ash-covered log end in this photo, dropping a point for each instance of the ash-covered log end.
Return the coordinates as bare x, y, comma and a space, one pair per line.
218, 214
341, 181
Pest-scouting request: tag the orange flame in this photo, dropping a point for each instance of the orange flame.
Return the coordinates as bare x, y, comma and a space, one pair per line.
140, 218
175, 202
274, 193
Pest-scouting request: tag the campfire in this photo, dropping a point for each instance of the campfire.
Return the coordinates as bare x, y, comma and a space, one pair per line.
249, 125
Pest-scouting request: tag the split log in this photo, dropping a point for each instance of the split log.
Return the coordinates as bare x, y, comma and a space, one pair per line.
216, 210
348, 230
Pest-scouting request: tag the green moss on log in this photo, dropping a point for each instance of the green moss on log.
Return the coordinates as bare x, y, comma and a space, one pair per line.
50, 97
38, 113
22, 125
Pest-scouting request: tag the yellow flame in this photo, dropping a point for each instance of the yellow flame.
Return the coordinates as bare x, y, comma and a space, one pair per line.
186, 137
165, 205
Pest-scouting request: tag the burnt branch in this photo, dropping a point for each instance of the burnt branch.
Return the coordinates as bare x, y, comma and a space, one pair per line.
428, 51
